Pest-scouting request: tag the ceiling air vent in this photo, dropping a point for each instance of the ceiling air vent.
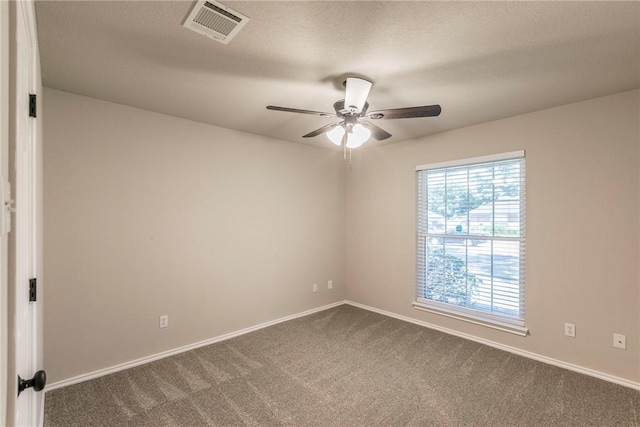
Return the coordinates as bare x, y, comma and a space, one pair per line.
215, 20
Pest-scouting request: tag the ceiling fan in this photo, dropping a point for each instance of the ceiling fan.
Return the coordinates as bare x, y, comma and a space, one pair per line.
352, 131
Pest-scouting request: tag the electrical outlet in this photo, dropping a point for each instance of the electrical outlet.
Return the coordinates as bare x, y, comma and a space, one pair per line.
620, 341
570, 330
330, 284
164, 321
315, 287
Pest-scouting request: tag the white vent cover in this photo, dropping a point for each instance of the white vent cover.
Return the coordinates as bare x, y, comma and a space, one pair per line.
215, 20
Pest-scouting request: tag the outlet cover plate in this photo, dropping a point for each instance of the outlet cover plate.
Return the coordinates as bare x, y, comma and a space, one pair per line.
620, 341
570, 330
164, 321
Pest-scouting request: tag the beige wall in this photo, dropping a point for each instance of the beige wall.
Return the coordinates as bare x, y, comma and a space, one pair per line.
147, 214
582, 244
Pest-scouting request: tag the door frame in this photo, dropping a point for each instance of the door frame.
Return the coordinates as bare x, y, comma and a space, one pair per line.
4, 166
25, 239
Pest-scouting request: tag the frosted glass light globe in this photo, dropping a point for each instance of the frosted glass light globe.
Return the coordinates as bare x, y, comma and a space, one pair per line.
358, 136
335, 135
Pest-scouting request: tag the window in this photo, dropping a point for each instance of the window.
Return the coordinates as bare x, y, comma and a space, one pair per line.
470, 240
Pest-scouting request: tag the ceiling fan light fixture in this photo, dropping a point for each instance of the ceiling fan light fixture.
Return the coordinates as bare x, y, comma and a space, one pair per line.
356, 93
358, 136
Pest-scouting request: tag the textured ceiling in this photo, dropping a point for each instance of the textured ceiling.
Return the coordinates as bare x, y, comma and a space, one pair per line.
480, 61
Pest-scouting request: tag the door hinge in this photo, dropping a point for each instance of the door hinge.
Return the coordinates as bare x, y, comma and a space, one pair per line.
32, 105
33, 285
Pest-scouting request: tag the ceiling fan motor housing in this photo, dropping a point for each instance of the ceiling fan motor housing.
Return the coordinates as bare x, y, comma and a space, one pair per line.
343, 112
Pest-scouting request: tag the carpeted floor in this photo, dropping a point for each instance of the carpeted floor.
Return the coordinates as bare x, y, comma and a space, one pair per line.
344, 367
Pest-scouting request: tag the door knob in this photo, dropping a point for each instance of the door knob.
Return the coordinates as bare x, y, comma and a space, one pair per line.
37, 382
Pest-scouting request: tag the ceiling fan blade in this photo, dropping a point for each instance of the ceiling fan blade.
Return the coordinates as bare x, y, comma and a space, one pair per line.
323, 129
295, 110
406, 113
378, 133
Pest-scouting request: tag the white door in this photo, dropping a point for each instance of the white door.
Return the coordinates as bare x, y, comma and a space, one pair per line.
28, 403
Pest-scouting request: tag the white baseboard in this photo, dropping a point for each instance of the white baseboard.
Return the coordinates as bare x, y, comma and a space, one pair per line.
514, 350
143, 360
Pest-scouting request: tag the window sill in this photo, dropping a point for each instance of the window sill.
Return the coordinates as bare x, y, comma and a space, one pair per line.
469, 318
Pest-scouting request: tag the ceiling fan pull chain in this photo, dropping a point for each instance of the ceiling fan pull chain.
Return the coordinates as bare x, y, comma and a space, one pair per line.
344, 145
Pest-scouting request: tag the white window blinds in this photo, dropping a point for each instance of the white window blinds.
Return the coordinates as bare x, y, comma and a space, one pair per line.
471, 238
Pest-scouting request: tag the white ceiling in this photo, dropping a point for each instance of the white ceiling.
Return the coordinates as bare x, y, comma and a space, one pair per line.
480, 61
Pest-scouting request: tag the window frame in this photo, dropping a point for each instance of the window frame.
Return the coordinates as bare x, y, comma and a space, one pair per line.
476, 316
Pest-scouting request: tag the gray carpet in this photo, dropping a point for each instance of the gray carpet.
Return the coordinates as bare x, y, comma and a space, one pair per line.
344, 367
